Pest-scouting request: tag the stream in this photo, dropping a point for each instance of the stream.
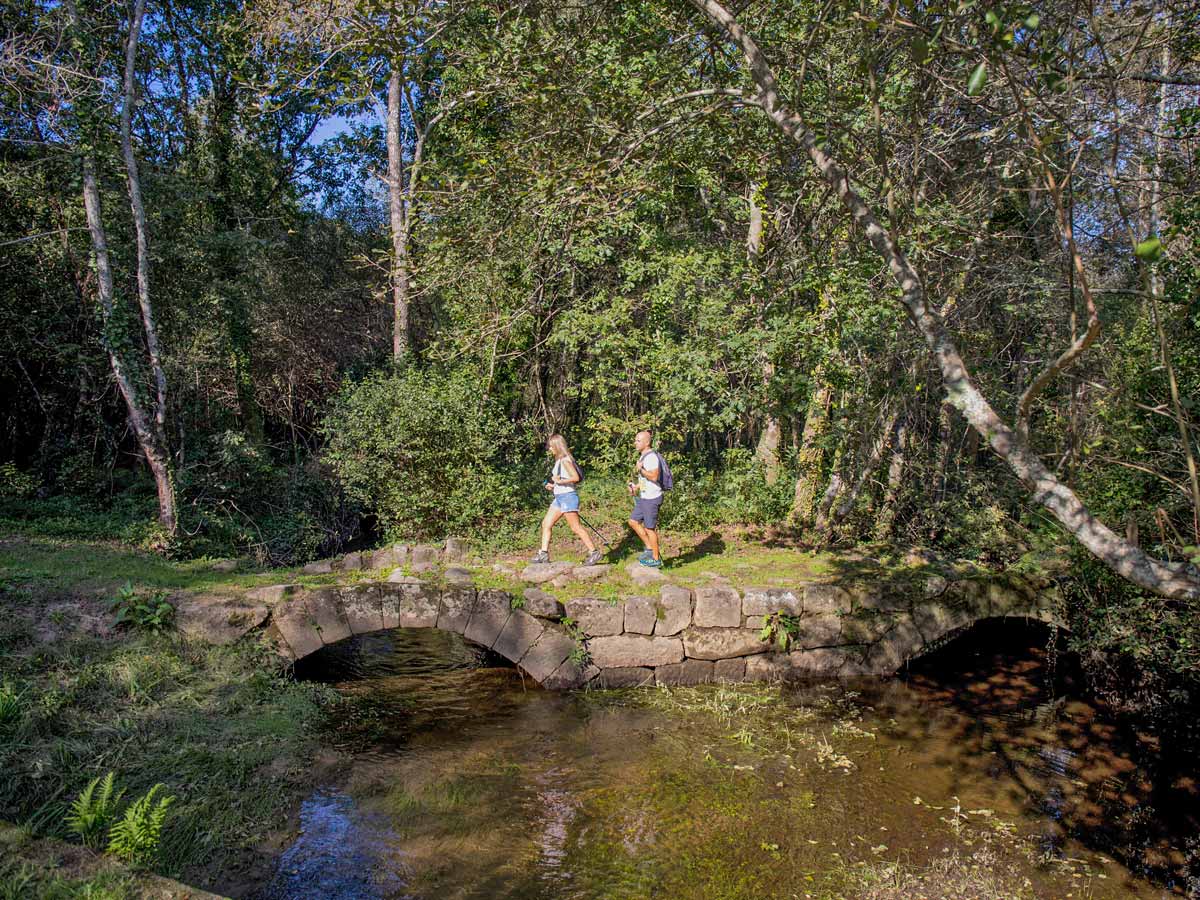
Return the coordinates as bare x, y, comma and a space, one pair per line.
985, 766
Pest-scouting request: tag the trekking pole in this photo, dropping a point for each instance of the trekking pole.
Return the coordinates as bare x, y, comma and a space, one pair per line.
595, 529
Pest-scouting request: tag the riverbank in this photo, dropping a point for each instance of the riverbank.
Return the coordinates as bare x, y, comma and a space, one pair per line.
232, 740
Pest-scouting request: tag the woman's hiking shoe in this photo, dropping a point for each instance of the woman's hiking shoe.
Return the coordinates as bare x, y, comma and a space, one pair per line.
651, 562
540, 557
645, 554
594, 557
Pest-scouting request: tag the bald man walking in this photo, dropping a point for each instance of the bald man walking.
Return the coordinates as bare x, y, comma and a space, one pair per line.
649, 494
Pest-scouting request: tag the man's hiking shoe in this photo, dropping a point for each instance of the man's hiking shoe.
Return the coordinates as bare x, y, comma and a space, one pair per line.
541, 557
645, 554
651, 562
594, 557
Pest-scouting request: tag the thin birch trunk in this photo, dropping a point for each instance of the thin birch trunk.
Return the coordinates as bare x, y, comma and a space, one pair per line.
1167, 579
1156, 291
767, 451
399, 218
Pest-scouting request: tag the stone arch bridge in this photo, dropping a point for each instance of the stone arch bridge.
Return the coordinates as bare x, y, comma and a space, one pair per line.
673, 635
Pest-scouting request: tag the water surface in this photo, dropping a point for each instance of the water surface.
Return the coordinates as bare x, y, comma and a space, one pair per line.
469, 782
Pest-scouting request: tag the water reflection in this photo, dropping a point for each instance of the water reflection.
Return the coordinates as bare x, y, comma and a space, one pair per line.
469, 782
341, 854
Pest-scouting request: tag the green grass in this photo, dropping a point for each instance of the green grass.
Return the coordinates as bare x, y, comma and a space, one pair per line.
230, 738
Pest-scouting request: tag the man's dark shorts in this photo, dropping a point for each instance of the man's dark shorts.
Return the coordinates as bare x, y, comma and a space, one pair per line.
646, 511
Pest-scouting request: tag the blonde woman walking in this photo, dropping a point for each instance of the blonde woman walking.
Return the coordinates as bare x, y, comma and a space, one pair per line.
563, 480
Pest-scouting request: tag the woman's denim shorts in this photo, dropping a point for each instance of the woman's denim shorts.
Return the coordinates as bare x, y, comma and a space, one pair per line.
567, 502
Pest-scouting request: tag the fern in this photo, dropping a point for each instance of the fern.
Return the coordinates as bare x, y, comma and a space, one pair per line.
134, 837
91, 812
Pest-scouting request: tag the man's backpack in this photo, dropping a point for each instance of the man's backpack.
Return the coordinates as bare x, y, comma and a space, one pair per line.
666, 480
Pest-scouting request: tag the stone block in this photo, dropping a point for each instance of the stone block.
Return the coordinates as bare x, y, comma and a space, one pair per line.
297, 627
690, 671
824, 599
325, 609
561, 581
590, 573
640, 615
731, 670
624, 650
722, 643
488, 618
545, 606
551, 651
400, 554
596, 617
454, 612
934, 586
274, 638
517, 636
424, 558
674, 611
766, 601
398, 577
219, 620
768, 667
455, 550
823, 662
418, 606
934, 619
865, 627
382, 559
644, 576
624, 677
389, 604
351, 561
271, 594
567, 676
458, 576
362, 605
540, 573
320, 567
717, 607
819, 631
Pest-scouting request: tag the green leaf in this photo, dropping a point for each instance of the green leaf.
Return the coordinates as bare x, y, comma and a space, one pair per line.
920, 51
977, 80
992, 19
1032, 21
1149, 250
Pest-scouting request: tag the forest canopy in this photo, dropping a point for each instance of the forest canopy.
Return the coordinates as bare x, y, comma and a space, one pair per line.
907, 274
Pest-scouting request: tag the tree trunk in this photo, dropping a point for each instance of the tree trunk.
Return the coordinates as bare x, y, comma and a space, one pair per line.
1155, 284
139, 419
1169, 580
882, 439
399, 219
811, 456
767, 451
887, 511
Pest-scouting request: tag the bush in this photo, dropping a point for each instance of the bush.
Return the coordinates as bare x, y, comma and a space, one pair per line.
737, 493
15, 484
426, 452
238, 500
1141, 653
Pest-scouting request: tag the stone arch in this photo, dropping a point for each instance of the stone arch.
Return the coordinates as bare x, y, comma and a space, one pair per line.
304, 621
